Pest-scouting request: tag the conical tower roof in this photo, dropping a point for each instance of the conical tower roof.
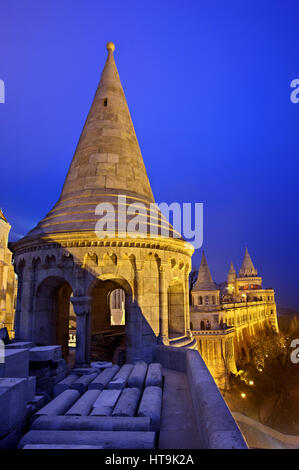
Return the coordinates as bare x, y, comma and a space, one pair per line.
231, 273
107, 163
2, 216
108, 157
204, 278
231, 269
247, 268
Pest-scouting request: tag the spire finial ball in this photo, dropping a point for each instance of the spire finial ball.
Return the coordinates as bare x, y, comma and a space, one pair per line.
110, 46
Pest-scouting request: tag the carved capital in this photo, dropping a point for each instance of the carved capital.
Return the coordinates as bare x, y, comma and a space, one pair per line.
82, 305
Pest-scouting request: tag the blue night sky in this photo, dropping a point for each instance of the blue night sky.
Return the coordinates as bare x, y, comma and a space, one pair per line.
208, 87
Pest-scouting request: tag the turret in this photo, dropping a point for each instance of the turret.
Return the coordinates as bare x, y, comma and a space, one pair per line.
247, 268
205, 292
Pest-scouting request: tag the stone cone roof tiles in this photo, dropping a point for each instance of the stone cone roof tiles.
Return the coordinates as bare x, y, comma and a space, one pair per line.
107, 163
204, 278
247, 268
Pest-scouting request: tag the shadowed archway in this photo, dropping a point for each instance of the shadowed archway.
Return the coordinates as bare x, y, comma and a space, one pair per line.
176, 314
109, 331
52, 313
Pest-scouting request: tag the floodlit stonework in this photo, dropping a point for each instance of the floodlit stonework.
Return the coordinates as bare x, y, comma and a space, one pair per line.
7, 278
156, 392
62, 260
223, 321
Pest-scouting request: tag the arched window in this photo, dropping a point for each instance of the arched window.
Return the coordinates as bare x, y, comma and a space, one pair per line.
117, 307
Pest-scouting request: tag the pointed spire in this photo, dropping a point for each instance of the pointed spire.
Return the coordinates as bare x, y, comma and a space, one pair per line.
108, 157
247, 268
2, 216
231, 276
231, 268
204, 278
107, 163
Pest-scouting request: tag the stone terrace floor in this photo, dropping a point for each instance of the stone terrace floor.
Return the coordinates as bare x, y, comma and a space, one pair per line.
178, 426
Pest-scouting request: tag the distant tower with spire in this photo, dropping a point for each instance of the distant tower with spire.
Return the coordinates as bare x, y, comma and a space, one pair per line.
247, 268
242, 310
205, 292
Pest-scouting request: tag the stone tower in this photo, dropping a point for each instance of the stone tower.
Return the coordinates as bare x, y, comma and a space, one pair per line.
205, 292
231, 279
7, 278
65, 259
247, 268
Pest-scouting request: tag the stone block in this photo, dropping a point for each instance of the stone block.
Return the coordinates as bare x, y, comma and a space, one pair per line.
65, 384
137, 376
60, 404
83, 406
91, 423
84, 370
13, 401
102, 380
119, 381
154, 377
20, 345
101, 364
31, 387
60, 446
39, 401
127, 403
16, 363
82, 383
45, 353
151, 406
47, 384
11, 440
105, 403
105, 439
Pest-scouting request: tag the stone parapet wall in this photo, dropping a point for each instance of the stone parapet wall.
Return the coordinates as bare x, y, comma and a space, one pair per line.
216, 426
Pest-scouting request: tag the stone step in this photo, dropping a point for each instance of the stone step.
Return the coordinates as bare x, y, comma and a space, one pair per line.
82, 383
104, 405
105, 439
119, 381
84, 405
65, 384
151, 406
137, 376
60, 446
91, 423
154, 377
102, 380
60, 404
127, 403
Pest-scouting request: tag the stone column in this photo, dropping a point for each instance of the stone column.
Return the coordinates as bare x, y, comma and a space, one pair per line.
187, 305
82, 308
163, 308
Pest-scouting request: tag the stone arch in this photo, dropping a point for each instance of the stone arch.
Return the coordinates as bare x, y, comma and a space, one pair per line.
110, 259
67, 260
176, 310
90, 260
103, 346
50, 261
51, 315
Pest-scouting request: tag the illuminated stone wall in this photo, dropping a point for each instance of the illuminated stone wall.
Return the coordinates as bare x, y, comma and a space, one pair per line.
7, 279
